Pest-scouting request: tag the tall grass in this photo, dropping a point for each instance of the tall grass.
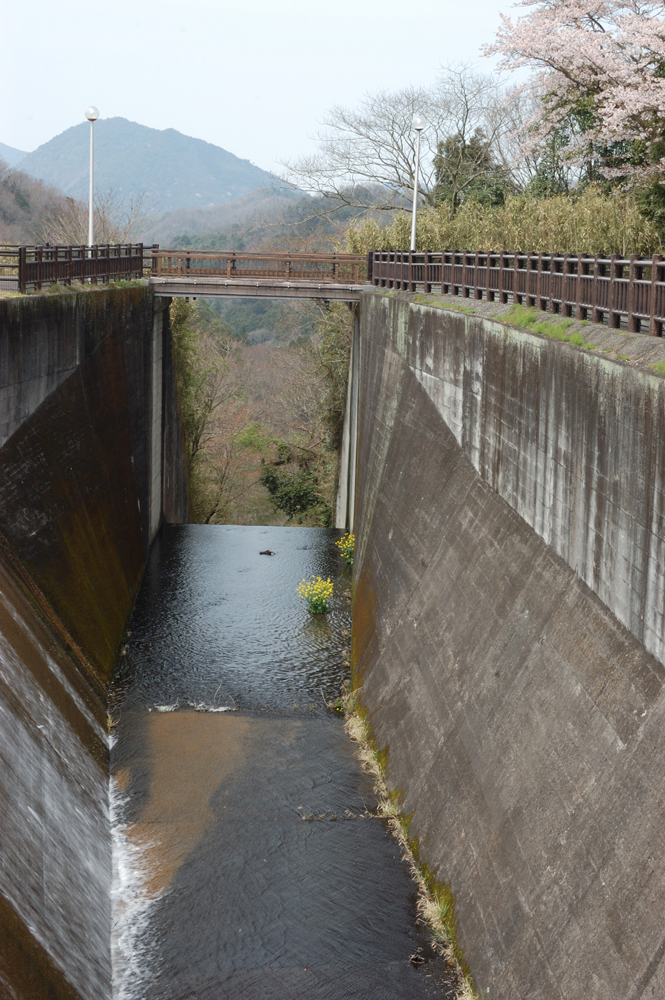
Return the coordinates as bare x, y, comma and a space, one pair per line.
593, 222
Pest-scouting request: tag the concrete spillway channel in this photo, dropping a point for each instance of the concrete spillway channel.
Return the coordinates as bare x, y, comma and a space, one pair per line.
249, 861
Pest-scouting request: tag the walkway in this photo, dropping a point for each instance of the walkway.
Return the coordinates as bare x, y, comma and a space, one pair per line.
249, 861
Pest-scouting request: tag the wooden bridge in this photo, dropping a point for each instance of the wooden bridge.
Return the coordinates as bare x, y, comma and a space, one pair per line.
334, 277
172, 272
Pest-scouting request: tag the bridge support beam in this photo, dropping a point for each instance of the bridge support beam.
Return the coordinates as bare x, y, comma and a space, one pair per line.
253, 288
347, 464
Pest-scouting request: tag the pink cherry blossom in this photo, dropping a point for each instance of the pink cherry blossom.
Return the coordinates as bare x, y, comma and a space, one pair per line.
608, 51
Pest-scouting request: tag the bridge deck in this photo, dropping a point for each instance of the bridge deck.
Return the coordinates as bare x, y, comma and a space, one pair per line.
330, 291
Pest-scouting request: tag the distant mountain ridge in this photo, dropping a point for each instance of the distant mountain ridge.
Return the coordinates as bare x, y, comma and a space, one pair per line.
10, 155
261, 206
173, 170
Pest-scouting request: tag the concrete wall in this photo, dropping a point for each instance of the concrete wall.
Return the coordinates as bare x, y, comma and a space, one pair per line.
508, 636
91, 463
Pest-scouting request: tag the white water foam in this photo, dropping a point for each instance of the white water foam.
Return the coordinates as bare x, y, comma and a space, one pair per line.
197, 706
131, 902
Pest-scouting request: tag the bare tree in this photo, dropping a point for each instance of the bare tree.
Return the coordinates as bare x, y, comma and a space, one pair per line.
477, 116
366, 157
525, 159
65, 222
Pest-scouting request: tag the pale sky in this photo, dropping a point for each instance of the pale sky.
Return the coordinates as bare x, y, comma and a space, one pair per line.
252, 76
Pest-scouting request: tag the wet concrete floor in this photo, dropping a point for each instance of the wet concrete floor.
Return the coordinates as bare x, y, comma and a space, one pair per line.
248, 859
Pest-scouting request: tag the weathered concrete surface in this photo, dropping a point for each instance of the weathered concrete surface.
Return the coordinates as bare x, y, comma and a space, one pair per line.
91, 464
55, 862
83, 475
508, 602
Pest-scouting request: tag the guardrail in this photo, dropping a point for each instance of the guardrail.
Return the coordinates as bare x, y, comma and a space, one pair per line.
614, 290
345, 268
28, 268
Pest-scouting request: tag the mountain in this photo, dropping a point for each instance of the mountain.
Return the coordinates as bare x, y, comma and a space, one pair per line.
260, 208
171, 169
10, 155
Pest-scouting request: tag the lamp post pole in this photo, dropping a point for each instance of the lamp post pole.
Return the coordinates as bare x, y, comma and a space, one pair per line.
92, 114
418, 125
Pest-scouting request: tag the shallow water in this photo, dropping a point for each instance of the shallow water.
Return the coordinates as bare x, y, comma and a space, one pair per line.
248, 860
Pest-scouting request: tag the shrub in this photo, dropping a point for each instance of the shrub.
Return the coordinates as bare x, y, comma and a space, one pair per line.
591, 222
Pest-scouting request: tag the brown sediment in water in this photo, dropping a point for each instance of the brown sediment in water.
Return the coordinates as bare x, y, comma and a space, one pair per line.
191, 754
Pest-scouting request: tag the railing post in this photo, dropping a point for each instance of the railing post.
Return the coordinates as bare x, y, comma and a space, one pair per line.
22, 253
633, 323
595, 288
613, 319
579, 309
654, 325
539, 282
503, 298
428, 283
516, 267
370, 266
527, 278
565, 278
550, 286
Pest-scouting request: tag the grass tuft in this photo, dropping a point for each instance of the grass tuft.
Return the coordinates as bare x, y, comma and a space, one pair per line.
659, 367
528, 319
436, 903
429, 300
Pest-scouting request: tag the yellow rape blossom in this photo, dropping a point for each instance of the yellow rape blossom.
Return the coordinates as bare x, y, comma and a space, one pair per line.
317, 593
346, 545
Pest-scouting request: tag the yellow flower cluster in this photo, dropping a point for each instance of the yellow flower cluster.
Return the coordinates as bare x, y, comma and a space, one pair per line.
346, 545
317, 593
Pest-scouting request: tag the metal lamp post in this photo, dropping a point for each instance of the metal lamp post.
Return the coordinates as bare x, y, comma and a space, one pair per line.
418, 125
92, 114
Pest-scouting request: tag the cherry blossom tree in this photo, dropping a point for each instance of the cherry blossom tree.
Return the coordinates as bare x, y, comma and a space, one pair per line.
599, 79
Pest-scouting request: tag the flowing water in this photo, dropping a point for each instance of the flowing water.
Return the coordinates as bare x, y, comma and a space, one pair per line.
248, 862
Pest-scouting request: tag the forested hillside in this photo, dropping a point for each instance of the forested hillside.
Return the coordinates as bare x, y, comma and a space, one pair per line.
25, 206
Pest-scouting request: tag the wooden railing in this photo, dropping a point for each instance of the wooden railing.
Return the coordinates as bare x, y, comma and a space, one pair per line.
28, 268
618, 291
614, 290
347, 268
